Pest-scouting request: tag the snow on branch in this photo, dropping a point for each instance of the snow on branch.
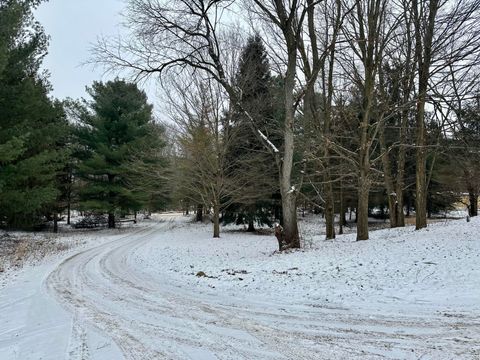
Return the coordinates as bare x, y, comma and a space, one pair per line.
274, 148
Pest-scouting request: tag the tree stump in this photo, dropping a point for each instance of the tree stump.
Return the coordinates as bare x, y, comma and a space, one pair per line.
279, 234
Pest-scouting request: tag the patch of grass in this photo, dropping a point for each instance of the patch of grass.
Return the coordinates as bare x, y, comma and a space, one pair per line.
16, 250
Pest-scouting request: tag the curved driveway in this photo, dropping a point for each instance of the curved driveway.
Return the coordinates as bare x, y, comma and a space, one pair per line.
149, 317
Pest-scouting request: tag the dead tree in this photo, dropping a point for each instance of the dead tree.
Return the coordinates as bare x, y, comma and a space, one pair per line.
280, 235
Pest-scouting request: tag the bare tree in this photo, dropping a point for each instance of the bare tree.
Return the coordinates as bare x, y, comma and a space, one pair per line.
424, 14
318, 44
317, 50
200, 109
369, 32
445, 33
287, 18
398, 73
460, 96
181, 34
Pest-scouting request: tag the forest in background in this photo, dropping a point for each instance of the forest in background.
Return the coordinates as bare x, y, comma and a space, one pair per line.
330, 106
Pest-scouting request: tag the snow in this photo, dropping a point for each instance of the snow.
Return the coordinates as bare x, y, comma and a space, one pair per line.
265, 138
33, 325
403, 294
401, 268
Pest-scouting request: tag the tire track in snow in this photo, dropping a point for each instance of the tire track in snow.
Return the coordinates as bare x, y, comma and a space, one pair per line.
150, 318
78, 286
143, 321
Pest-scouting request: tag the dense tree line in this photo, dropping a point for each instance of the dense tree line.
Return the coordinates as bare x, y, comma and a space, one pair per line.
369, 94
93, 156
338, 106
33, 128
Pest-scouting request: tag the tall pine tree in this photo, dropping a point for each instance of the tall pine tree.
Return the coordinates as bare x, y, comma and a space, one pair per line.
117, 124
31, 125
253, 163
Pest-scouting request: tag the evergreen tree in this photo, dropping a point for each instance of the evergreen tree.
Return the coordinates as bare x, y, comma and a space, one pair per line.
149, 170
253, 163
64, 177
31, 125
112, 133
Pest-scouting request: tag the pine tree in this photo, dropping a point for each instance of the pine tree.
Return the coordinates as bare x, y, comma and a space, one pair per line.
31, 125
117, 124
252, 161
149, 170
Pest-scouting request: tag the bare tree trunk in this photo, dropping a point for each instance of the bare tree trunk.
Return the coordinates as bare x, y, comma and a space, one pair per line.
362, 207
424, 29
199, 217
364, 156
55, 223
364, 168
216, 221
408, 84
251, 226
68, 212
111, 220
277, 210
473, 199
409, 205
329, 197
69, 194
289, 206
328, 99
420, 172
388, 179
393, 209
342, 220
290, 226
401, 170
400, 214
111, 213
329, 212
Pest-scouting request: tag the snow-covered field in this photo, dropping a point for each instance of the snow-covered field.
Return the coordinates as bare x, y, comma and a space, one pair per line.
401, 269
167, 290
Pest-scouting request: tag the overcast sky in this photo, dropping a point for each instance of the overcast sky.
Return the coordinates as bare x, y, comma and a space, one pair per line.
74, 26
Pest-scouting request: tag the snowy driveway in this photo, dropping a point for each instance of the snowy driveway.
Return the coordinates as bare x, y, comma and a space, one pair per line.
150, 317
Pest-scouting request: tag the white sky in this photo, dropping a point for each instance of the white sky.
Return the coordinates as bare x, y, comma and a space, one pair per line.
74, 26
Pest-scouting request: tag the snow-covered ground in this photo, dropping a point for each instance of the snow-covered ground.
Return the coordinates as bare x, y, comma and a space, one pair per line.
169, 291
33, 325
401, 269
